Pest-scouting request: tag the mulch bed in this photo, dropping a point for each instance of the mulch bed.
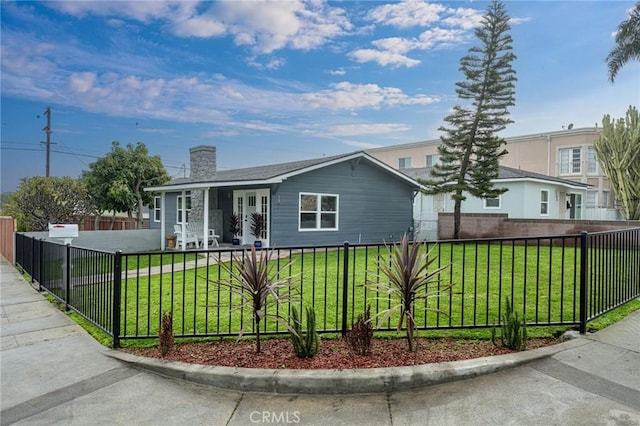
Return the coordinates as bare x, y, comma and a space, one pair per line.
333, 354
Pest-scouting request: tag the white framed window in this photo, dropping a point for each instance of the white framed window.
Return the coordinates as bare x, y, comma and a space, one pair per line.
318, 212
544, 202
431, 160
592, 160
187, 207
570, 161
404, 163
605, 199
492, 203
592, 197
157, 201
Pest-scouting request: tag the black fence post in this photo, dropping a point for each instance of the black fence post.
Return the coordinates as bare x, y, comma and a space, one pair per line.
40, 263
67, 276
117, 281
584, 238
33, 258
345, 289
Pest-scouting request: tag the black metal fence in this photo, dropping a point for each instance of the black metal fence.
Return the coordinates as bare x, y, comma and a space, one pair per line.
554, 280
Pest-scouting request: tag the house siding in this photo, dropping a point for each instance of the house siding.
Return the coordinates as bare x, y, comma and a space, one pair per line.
171, 207
374, 206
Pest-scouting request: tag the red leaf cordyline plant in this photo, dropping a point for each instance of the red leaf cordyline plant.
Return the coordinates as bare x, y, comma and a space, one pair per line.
404, 279
258, 283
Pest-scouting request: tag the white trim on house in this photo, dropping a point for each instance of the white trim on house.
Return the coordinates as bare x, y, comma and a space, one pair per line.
281, 178
545, 202
318, 212
530, 179
498, 207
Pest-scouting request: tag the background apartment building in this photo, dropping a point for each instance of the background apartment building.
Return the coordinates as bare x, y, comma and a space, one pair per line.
566, 154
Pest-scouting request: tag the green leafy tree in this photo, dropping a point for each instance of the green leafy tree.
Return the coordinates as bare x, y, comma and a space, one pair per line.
117, 180
470, 148
39, 201
618, 151
627, 46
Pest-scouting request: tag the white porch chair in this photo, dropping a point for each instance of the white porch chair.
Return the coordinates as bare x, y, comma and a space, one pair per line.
190, 237
197, 228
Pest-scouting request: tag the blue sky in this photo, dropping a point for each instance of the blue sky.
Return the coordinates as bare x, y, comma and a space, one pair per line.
278, 81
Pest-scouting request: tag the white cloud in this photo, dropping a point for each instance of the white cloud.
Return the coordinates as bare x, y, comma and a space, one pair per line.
143, 11
518, 21
366, 129
392, 51
270, 64
464, 18
270, 26
438, 37
395, 44
448, 27
340, 71
383, 58
349, 96
358, 144
407, 14
266, 26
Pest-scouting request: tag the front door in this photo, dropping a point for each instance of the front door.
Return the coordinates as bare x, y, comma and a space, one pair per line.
247, 202
575, 209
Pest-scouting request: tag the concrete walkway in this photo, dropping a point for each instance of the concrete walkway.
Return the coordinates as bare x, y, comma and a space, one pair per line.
52, 372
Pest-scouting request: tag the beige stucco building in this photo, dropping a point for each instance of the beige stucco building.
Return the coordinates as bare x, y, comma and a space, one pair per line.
567, 154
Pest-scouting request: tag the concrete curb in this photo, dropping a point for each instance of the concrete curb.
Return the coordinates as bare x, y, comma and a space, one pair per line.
361, 381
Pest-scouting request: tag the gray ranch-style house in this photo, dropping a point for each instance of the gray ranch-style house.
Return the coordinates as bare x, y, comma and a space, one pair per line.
350, 197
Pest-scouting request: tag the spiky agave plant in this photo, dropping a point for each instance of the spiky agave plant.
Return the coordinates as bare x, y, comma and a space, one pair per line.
406, 278
257, 281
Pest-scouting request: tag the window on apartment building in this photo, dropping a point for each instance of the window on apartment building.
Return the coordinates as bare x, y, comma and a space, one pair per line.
570, 161
492, 203
544, 202
404, 163
187, 207
431, 160
318, 212
591, 199
156, 208
592, 161
605, 199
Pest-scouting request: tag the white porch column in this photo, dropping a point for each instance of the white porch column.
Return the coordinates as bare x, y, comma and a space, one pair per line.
163, 226
205, 220
183, 223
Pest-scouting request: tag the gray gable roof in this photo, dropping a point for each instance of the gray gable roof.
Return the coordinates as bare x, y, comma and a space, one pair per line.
275, 173
271, 170
504, 173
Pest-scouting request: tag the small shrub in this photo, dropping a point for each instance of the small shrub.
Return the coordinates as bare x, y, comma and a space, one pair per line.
304, 344
359, 338
514, 330
166, 333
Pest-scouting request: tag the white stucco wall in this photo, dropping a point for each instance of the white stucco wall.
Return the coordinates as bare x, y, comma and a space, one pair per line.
127, 241
521, 201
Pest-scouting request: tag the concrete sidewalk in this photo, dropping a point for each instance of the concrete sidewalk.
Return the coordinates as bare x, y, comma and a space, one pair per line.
53, 372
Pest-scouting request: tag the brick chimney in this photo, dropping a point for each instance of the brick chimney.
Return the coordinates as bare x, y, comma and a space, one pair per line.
203, 168
203, 163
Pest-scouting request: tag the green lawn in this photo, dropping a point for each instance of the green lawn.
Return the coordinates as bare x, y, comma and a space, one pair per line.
542, 283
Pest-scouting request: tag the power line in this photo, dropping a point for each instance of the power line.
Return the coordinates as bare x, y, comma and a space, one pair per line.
57, 151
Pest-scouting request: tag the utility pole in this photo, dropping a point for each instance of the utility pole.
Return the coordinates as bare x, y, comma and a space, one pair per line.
47, 131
